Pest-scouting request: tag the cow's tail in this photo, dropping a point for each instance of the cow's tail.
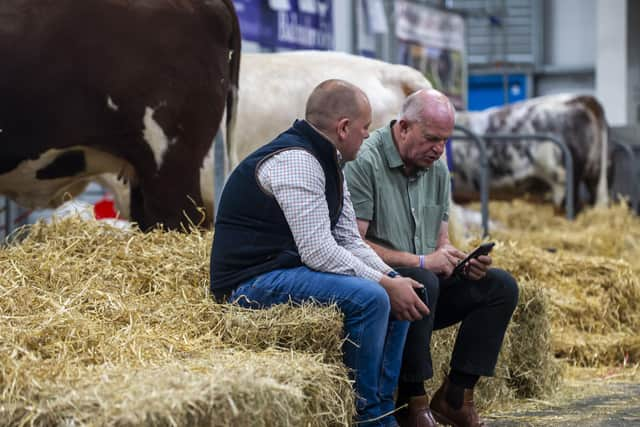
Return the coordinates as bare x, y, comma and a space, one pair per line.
234, 83
412, 80
601, 131
601, 134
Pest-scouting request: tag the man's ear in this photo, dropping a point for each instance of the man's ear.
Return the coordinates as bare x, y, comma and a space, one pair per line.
343, 127
403, 125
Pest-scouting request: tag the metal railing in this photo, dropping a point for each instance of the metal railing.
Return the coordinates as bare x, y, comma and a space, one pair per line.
566, 154
6, 225
13, 217
484, 173
631, 156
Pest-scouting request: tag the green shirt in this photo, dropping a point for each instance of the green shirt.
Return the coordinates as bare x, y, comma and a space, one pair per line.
404, 213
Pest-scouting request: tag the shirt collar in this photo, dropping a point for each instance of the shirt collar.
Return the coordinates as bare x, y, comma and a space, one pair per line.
390, 150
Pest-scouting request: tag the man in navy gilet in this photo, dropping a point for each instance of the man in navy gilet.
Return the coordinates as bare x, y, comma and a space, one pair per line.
286, 230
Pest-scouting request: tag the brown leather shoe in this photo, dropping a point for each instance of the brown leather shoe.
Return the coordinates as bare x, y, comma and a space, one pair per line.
416, 414
466, 416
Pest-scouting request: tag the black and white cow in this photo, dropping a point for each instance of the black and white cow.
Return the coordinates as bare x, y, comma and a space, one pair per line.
131, 87
520, 167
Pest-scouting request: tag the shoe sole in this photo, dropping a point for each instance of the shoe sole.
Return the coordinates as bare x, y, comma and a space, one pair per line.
441, 419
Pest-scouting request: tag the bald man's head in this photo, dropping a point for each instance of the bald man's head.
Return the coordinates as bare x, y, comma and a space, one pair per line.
428, 106
332, 100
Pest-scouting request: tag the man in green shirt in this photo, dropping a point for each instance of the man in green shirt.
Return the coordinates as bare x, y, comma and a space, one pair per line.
400, 192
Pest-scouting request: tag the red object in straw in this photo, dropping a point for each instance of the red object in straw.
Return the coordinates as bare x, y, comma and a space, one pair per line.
104, 208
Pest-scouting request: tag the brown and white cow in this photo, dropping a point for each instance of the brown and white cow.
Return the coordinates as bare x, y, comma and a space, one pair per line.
518, 167
273, 91
130, 87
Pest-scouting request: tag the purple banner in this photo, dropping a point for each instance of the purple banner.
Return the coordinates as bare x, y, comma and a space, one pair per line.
293, 24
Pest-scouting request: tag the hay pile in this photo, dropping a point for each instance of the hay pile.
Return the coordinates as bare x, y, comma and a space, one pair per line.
589, 268
595, 300
104, 326
612, 232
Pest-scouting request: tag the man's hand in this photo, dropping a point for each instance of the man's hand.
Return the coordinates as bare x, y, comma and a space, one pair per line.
443, 260
405, 303
477, 268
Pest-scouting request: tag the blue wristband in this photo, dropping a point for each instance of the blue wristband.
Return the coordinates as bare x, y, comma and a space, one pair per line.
421, 260
393, 274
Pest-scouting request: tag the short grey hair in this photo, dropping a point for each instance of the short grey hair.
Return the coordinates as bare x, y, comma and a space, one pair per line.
413, 107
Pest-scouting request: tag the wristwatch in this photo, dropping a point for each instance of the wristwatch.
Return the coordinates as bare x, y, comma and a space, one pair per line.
393, 274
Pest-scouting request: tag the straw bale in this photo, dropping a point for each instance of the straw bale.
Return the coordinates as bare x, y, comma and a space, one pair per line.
589, 349
490, 392
526, 367
589, 267
83, 302
595, 294
116, 278
609, 232
533, 370
98, 319
225, 387
309, 328
589, 294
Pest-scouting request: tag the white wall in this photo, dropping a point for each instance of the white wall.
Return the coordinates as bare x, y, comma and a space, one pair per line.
570, 33
611, 63
633, 40
569, 52
549, 84
343, 25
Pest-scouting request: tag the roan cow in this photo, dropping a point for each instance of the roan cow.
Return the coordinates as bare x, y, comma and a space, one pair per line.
129, 87
523, 166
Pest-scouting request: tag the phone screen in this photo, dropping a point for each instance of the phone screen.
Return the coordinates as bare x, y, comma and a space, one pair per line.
483, 249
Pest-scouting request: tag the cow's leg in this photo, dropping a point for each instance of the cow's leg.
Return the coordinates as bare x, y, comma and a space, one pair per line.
578, 176
172, 192
136, 206
169, 194
178, 140
173, 197
592, 190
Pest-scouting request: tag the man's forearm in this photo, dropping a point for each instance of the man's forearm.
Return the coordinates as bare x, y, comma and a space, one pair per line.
393, 257
443, 235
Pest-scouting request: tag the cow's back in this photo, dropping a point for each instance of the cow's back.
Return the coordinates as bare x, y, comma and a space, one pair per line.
275, 88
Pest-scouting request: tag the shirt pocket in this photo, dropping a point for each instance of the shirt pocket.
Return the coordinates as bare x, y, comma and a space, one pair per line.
431, 220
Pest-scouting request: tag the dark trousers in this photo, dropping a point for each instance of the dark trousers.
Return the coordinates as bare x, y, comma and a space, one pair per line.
483, 306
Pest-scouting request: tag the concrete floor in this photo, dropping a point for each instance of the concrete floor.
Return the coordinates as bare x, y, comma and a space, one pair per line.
610, 404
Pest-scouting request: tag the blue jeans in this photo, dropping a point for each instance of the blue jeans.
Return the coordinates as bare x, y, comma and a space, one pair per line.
373, 351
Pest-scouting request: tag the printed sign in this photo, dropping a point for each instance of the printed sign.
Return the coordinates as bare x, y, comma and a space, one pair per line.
432, 41
292, 24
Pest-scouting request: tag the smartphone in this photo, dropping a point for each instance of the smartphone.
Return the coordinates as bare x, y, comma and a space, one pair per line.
483, 249
422, 293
